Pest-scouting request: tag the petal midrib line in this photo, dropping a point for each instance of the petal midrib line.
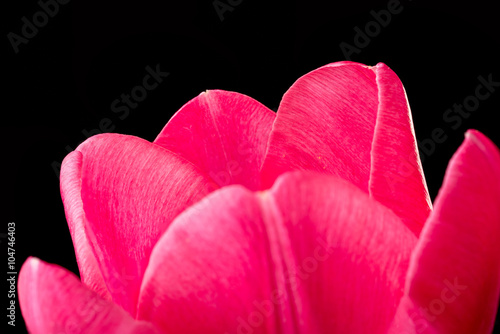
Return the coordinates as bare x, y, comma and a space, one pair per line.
283, 262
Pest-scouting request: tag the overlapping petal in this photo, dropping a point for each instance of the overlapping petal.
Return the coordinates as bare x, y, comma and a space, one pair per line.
131, 190
357, 287
353, 121
53, 300
312, 255
223, 133
396, 174
71, 188
329, 245
208, 269
453, 284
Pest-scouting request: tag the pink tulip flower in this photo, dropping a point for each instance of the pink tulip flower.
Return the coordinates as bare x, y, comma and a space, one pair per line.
237, 220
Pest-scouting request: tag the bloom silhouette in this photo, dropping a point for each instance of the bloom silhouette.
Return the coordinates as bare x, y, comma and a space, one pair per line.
315, 219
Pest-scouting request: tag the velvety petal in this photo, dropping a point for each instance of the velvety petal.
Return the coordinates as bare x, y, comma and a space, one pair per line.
350, 253
223, 133
210, 267
71, 187
353, 121
312, 255
53, 300
396, 175
325, 122
453, 284
131, 191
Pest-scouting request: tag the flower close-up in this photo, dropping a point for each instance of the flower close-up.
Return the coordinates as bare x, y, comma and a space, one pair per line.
312, 219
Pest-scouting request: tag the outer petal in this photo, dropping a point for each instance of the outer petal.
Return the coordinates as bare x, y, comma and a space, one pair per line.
131, 191
223, 133
71, 187
210, 269
353, 121
325, 122
312, 255
356, 285
453, 284
53, 300
396, 175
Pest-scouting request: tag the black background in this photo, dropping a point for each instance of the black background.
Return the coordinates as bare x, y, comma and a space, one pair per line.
64, 79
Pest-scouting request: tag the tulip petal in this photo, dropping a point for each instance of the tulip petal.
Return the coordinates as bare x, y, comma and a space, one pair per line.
53, 300
223, 133
353, 121
312, 255
71, 188
453, 284
350, 252
396, 175
131, 191
325, 122
209, 267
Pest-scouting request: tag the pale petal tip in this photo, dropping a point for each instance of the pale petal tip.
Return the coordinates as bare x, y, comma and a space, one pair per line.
380, 65
471, 132
481, 141
32, 263
485, 145
211, 92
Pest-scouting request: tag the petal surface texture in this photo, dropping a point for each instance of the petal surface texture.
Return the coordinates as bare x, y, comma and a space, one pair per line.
453, 284
71, 188
53, 300
223, 133
314, 254
131, 191
352, 121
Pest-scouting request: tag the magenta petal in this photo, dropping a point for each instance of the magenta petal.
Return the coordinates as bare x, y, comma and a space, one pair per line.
325, 123
71, 187
223, 133
350, 253
209, 268
312, 255
53, 300
396, 175
131, 191
352, 121
453, 284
